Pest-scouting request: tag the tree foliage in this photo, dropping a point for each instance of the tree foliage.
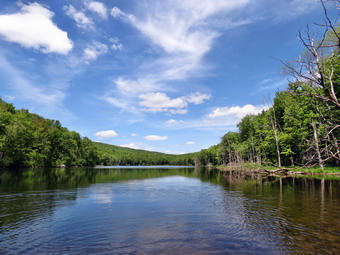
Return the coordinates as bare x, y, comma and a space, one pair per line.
303, 125
29, 140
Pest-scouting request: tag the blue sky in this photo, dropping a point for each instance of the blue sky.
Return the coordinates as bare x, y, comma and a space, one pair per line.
170, 76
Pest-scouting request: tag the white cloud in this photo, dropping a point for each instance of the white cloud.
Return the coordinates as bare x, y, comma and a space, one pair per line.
175, 122
33, 27
161, 102
79, 17
197, 98
230, 116
179, 26
130, 145
237, 111
175, 111
190, 143
94, 50
223, 117
99, 8
119, 14
116, 45
133, 134
129, 87
171, 121
106, 134
155, 138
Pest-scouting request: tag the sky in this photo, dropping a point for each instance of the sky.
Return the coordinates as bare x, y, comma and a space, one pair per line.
169, 75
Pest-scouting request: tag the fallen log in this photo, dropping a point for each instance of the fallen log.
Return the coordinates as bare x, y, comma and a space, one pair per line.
278, 171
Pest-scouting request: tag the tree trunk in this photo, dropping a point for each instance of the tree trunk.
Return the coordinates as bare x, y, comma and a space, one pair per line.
316, 141
277, 148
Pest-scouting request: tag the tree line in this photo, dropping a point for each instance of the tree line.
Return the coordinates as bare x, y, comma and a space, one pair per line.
29, 140
302, 127
116, 155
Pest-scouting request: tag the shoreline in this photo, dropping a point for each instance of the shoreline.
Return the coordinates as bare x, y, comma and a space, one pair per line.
283, 171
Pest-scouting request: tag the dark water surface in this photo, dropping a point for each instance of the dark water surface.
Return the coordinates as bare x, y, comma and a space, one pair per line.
165, 211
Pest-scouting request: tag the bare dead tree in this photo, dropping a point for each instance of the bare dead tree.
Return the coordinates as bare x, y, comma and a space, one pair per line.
316, 74
319, 63
316, 143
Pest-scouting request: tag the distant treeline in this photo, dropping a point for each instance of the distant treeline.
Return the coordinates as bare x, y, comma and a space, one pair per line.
29, 140
116, 155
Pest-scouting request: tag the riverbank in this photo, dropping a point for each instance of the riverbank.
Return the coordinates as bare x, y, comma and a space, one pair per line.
250, 169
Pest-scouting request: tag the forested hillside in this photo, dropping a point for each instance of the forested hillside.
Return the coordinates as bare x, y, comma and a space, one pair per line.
29, 140
302, 127
115, 155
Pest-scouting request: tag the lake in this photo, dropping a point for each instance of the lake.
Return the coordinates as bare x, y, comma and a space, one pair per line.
166, 211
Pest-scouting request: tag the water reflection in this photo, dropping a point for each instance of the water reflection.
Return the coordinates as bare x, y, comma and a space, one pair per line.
305, 210
163, 210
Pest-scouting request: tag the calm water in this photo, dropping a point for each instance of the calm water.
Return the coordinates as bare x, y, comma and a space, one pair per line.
165, 211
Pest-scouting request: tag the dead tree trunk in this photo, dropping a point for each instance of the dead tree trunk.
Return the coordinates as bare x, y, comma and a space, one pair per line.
316, 142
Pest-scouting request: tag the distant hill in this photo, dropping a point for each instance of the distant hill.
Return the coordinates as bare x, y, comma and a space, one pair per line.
116, 155
29, 140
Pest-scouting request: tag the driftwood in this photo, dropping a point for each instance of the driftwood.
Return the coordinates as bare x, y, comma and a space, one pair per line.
277, 171
292, 172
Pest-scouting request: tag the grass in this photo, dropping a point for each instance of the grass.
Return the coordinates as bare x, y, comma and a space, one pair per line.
317, 170
254, 166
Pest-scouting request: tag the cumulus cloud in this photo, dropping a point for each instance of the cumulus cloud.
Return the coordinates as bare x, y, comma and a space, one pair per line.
155, 138
236, 111
130, 145
106, 134
197, 98
32, 27
99, 8
133, 134
220, 117
161, 102
190, 143
230, 116
94, 50
79, 17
